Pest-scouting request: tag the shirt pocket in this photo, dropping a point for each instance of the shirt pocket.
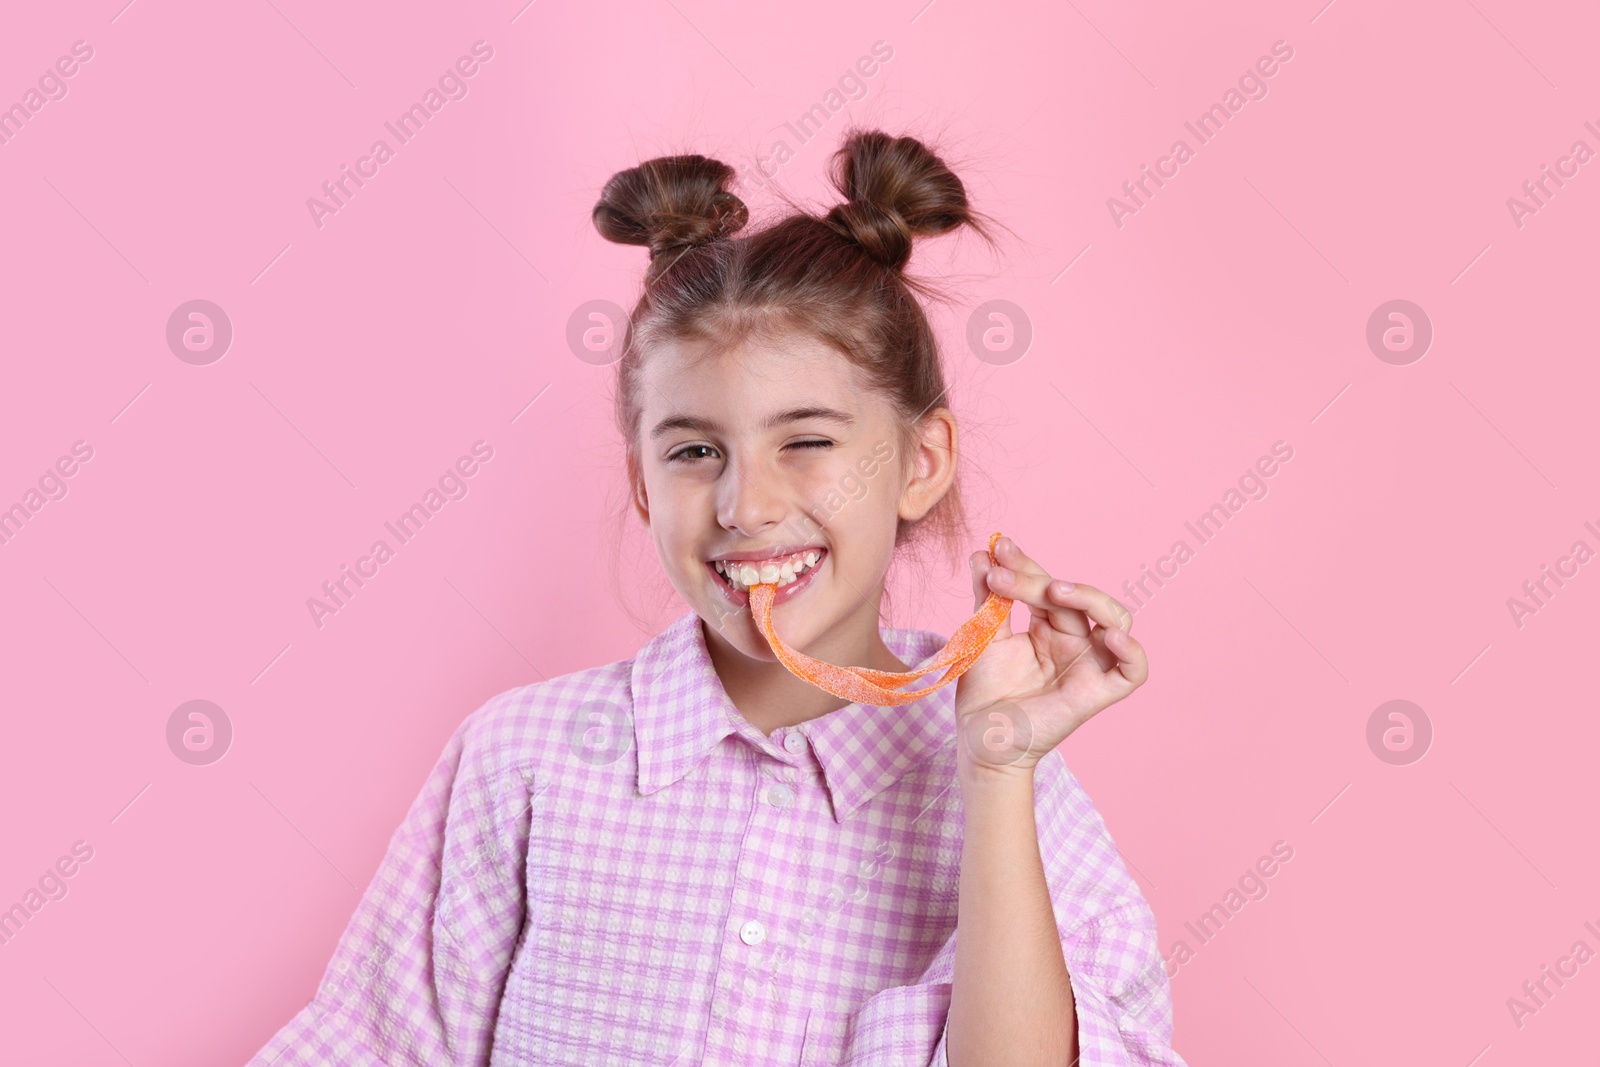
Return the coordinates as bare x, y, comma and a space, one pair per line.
898, 1025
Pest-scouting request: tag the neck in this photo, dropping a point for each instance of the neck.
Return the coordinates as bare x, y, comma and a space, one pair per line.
769, 697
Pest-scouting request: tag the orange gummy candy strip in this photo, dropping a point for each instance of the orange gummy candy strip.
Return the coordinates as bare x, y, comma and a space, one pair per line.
881, 688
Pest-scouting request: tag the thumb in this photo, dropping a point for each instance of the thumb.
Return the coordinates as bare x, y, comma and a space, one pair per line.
979, 563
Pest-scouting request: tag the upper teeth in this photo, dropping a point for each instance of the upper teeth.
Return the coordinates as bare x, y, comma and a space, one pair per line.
781, 571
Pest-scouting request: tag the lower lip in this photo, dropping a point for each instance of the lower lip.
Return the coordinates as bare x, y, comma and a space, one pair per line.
786, 593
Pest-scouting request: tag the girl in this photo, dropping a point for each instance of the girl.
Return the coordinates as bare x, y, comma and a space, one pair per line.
695, 856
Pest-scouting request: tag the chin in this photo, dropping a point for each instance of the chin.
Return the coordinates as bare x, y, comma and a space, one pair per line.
739, 630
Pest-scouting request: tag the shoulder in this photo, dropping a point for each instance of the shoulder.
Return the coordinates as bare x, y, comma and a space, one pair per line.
524, 727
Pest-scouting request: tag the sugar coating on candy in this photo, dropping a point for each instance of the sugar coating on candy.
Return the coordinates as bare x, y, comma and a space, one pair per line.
863, 685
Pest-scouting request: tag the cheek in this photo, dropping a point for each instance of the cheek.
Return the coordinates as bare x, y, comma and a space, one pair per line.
857, 501
823, 493
679, 508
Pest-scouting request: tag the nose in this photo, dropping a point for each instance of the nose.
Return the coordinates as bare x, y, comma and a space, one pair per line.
750, 500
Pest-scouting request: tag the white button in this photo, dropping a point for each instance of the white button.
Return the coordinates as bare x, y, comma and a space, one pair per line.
794, 742
752, 933
780, 795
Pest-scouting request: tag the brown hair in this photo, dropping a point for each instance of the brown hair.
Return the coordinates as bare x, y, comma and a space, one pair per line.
839, 277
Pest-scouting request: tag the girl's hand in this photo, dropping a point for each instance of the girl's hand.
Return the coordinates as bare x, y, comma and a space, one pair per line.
1028, 691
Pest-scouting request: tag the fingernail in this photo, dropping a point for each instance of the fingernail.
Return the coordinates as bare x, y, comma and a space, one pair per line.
1064, 587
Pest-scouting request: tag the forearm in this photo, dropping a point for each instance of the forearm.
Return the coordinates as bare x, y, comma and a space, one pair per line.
1011, 1000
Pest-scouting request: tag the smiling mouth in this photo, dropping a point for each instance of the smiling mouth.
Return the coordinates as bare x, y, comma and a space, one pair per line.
785, 570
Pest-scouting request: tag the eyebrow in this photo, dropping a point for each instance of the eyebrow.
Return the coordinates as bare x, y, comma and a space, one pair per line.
778, 418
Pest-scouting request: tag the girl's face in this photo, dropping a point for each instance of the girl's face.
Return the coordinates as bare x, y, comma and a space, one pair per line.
774, 462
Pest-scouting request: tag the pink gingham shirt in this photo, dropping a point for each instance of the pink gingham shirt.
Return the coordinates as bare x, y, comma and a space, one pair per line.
614, 867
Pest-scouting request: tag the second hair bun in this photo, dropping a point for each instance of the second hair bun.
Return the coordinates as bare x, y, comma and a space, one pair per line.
895, 189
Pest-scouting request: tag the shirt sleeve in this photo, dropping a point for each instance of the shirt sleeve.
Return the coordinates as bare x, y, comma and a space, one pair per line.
417, 976
1108, 938
1108, 932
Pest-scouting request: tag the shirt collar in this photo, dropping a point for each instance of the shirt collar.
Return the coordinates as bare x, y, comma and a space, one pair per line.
681, 712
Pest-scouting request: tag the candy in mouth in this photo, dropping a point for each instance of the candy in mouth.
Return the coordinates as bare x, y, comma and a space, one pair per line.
882, 688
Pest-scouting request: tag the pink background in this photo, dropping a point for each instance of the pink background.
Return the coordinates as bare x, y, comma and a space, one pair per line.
1228, 313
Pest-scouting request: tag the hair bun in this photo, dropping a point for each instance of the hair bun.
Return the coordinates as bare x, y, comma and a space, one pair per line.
895, 189
669, 204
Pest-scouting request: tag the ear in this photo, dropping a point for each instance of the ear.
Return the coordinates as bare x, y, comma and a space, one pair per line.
636, 493
931, 464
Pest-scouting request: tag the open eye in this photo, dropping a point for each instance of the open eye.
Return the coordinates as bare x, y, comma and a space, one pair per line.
690, 453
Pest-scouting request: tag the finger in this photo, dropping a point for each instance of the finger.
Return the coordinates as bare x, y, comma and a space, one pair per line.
1021, 579
1131, 660
1011, 556
1102, 607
